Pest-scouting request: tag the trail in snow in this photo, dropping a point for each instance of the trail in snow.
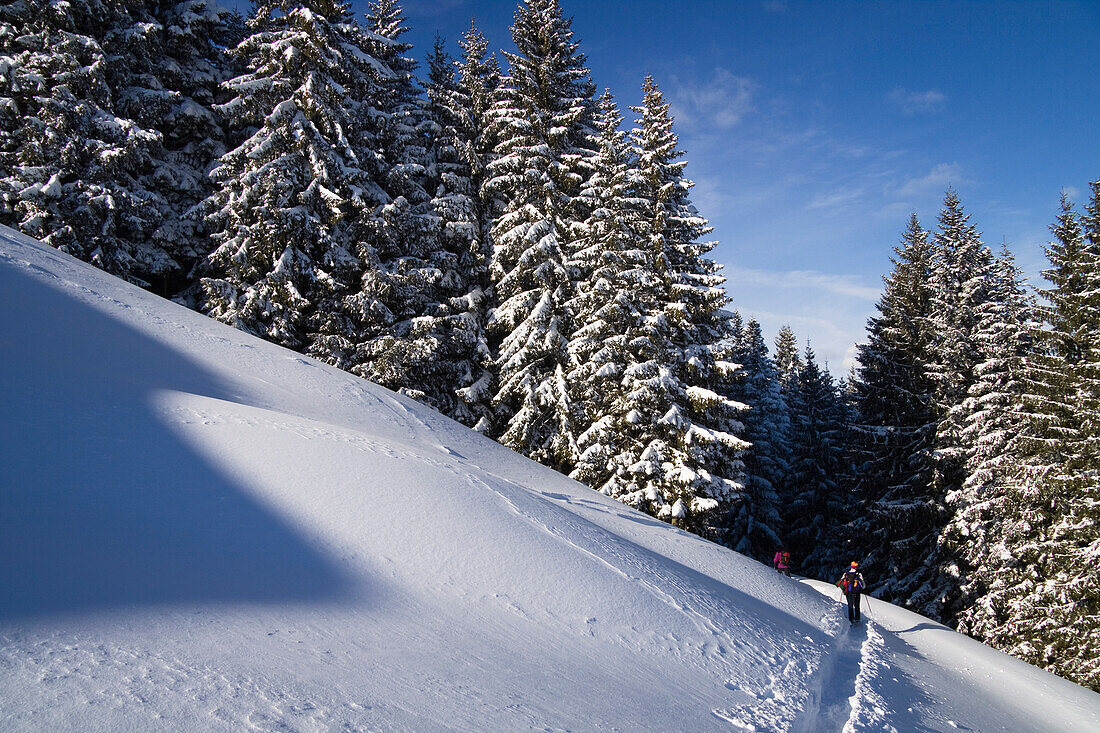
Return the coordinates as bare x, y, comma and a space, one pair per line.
719, 613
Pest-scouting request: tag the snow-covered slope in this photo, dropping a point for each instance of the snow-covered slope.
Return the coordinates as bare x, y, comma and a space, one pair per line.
203, 531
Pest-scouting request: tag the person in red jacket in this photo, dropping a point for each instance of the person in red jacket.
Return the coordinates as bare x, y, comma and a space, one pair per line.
782, 562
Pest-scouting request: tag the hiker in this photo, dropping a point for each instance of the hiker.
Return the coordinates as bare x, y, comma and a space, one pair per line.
782, 562
852, 584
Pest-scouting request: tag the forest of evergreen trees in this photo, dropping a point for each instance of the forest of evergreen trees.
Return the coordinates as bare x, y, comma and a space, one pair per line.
483, 234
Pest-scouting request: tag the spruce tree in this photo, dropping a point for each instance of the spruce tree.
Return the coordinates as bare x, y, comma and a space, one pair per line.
543, 127
787, 359
1077, 535
905, 497
895, 429
73, 165
612, 340
396, 309
187, 62
285, 214
452, 327
1033, 591
995, 421
963, 278
754, 524
1058, 622
479, 78
817, 465
684, 433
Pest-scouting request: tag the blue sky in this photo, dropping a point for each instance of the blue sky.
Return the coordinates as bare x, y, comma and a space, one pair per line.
813, 129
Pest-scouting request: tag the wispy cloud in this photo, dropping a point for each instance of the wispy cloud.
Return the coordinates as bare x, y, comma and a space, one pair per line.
911, 103
802, 280
720, 102
835, 199
775, 6
936, 180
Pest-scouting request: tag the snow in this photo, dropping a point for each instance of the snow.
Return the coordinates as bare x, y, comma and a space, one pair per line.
200, 530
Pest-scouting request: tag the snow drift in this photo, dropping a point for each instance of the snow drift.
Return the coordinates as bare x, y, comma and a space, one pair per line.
203, 531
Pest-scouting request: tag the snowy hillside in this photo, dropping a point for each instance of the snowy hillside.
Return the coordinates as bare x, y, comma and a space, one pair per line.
203, 531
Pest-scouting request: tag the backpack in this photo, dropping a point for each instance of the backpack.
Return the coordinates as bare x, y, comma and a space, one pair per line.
785, 558
851, 582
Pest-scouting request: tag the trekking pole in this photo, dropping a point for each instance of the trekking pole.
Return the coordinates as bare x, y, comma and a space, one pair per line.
866, 598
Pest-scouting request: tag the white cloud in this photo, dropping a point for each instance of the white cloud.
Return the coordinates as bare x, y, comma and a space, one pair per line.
936, 180
775, 6
828, 311
911, 103
802, 281
719, 103
835, 199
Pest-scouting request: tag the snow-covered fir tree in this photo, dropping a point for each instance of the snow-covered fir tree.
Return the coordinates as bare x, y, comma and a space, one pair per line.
895, 427
754, 524
921, 367
787, 359
453, 373
545, 148
612, 339
479, 77
397, 308
1032, 591
73, 166
1053, 619
285, 213
187, 63
816, 477
963, 278
1076, 642
684, 432
995, 422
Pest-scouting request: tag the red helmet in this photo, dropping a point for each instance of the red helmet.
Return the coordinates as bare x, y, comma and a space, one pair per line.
854, 564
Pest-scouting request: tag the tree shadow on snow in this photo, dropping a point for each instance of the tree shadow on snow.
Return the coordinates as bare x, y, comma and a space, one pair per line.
101, 504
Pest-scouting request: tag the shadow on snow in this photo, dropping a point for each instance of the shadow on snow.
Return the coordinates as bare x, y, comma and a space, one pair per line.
101, 505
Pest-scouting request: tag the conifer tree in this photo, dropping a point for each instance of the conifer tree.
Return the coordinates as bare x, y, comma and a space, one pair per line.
1056, 625
396, 307
817, 447
543, 127
72, 164
187, 62
479, 78
1076, 623
611, 341
787, 359
288, 199
963, 278
995, 421
788, 362
435, 348
754, 524
684, 430
1032, 589
895, 429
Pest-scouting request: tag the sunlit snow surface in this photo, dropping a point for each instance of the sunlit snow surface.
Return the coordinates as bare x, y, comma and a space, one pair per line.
202, 531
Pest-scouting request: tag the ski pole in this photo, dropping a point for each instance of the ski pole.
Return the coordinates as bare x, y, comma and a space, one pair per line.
868, 602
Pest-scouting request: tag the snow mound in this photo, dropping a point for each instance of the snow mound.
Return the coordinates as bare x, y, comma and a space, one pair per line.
203, 531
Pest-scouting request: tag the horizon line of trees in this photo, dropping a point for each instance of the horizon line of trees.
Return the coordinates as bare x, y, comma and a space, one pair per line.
492, 242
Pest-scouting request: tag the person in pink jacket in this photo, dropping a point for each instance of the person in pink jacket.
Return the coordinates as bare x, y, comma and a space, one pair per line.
782, 562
